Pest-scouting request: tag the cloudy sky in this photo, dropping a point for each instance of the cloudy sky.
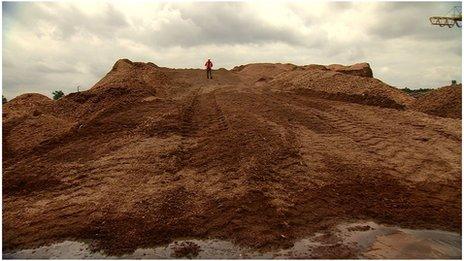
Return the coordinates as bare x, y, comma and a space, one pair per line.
60, 45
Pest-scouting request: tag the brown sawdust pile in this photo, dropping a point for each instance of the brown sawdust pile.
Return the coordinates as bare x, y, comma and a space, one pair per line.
444, 102
336, 81
128, 74
25, 104
261, 155
359, 69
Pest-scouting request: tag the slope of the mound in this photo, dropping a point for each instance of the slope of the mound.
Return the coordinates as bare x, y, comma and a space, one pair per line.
128, 74
342, 86
31, 131
262, 166
48, 123
359, 69
262, 71
444, 102
27, 122
25, 104
28, 100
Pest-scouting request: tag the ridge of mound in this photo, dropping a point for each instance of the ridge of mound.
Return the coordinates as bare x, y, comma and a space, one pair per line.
83, 105
29, 120
272, 69
259, 68
358, 69
28, 101
64, 118
128, 74
350, 83
30, 98
32, 131
25, 104
444, 102
330, 81
256, 71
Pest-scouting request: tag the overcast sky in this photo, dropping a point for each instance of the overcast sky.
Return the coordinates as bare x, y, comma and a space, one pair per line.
60, 45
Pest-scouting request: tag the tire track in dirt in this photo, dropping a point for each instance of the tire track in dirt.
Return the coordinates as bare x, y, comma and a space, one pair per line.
255, 157
393, 156
399, 154
211, 117
83, 186
220, 116
310, 147
370, 139
395, 148
186, 127
213, 130
276, 159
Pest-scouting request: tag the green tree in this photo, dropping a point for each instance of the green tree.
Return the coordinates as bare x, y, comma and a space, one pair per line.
57, 94
4, 100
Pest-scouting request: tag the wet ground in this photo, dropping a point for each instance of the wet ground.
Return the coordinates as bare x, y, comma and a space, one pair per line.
359, 240
386, 242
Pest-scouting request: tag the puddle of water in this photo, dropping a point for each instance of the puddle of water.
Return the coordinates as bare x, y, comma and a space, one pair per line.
387, 242
369, 240
80, 250
63, 250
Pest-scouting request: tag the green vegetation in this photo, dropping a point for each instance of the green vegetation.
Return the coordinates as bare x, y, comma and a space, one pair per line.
4, 100
417, 92
57, 94
407, 90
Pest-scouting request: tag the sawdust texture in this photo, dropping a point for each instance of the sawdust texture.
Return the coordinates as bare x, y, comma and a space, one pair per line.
444, 102
261, 155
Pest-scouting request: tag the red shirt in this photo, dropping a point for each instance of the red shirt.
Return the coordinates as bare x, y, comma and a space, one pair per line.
208, 64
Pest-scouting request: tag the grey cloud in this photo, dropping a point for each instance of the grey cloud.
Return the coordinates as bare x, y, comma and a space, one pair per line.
47, 68
102, 25
220, 23
68, 20
41, 79
411, 20
456, 49
234, 23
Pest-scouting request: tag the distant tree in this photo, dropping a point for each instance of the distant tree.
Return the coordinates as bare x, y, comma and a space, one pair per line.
415, 92
407, 90
57, 94
4, 100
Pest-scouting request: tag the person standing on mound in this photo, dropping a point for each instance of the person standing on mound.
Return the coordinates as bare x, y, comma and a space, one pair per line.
209, 65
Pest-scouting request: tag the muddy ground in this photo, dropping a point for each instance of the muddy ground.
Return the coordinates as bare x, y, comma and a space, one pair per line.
347, 240
153, 154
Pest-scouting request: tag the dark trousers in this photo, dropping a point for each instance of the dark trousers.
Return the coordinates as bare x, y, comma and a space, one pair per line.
208, 74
